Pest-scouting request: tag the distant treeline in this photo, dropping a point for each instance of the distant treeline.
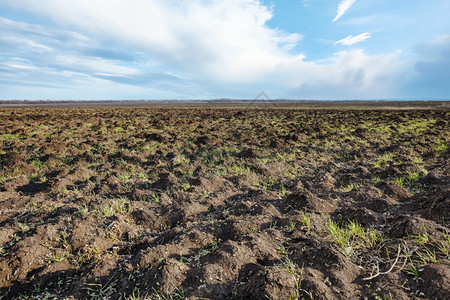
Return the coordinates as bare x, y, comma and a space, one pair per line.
317, 103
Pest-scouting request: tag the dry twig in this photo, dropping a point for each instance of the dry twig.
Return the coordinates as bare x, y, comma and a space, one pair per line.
378, 273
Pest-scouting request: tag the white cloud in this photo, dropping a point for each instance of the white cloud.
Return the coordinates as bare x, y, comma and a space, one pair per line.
343, 7
228, 40
187, 49
351, 40
347, 74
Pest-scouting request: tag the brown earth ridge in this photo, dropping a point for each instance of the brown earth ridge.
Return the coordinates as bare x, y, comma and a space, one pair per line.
224, 203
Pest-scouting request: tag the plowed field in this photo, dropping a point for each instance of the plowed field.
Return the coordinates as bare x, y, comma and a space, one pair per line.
202, 203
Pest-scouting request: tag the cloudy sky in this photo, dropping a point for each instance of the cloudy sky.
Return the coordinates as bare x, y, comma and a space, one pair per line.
202, 49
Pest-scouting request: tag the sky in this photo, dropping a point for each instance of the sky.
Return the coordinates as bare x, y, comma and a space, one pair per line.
209, 49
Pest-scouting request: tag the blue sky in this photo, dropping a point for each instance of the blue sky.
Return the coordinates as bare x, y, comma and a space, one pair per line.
202, 49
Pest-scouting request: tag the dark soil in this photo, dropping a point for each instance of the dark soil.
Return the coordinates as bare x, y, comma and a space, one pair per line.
201, 203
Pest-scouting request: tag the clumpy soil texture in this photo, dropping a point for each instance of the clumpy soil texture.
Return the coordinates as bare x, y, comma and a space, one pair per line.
200, 203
